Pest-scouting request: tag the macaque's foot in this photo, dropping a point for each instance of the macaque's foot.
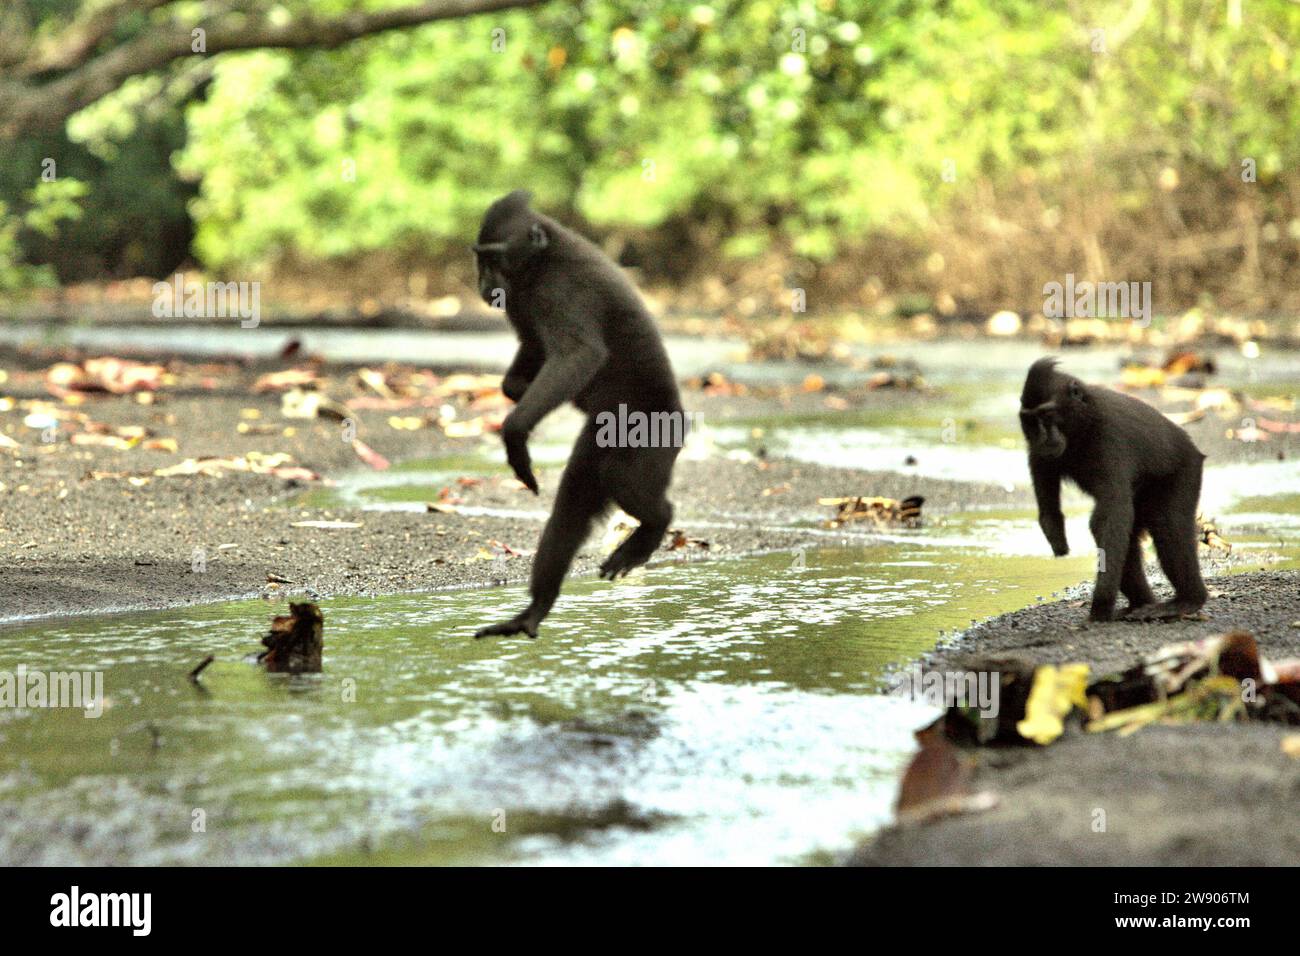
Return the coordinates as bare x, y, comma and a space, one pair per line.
1128, 613
623, 560
1165, 611
1101, 614
519, 624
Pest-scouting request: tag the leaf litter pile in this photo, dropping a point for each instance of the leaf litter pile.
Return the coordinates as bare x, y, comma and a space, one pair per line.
881, 512
1220, 678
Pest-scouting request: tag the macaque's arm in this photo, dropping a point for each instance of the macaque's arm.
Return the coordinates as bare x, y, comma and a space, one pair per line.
561, 378
527, 363
1047, 489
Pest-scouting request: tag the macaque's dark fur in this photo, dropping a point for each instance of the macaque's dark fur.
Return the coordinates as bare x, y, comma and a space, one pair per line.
585, 337
1141, 469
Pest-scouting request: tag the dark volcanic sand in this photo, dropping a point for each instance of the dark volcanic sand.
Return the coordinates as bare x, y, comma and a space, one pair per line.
109, 545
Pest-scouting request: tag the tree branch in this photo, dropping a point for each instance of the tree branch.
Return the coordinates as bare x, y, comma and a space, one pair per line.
26, 108
76, 42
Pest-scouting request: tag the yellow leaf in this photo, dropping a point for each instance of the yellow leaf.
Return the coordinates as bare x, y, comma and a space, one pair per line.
1055, 693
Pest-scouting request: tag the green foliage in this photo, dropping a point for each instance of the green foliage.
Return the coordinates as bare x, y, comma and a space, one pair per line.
16, 275
54, 202
130, 213
811, 123
49, 205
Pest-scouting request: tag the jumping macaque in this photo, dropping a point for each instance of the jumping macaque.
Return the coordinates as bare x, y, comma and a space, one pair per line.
584, 336
1142, 471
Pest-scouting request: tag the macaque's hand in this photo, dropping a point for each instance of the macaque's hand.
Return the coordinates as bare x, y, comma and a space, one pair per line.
517, 455
525, 623
514, 386
1054, 528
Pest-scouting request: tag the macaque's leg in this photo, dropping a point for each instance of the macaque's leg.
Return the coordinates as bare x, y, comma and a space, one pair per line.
1134, 584
1112, 528
1174, 532
577, 502
637, 479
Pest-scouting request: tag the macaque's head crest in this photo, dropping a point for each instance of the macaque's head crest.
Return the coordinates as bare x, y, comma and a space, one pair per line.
1039, 383
1049, 405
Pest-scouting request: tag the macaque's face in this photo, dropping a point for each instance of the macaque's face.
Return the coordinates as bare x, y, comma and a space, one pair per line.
492, 284
1044, 430
504, 247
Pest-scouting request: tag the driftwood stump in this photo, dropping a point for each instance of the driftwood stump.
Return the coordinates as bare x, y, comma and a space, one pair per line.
295, 641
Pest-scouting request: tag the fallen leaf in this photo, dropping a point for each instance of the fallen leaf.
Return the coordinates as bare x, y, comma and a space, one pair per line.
937, 781
375, 381
106, 374
677, 540
287, 379
1208, 535
369, 455
107, 441
471, 428
1055, 692
1277, 427
882, 511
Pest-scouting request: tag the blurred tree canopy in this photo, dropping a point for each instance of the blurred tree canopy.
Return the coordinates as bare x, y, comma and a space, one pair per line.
127, 67
742, 124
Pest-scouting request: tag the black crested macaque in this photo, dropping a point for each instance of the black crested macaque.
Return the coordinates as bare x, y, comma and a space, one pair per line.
1142, 471
584, 336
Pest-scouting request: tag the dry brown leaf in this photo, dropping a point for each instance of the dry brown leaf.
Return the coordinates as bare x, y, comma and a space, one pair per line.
287, 379
369, 455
